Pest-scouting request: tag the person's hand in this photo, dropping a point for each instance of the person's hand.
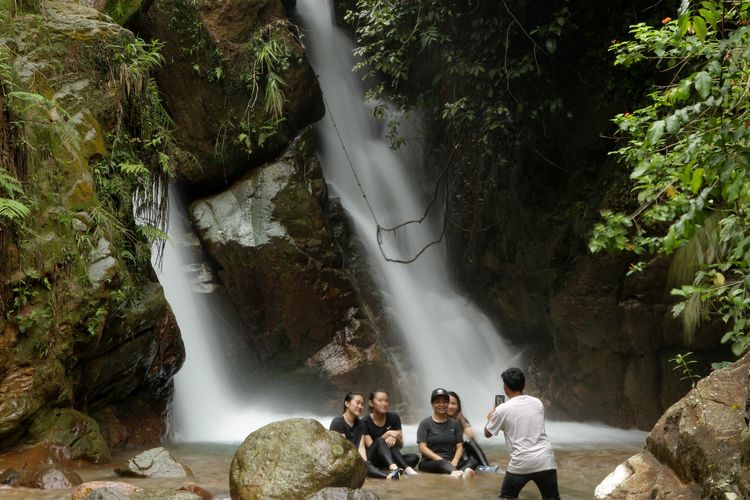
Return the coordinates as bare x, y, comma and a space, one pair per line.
390, 441
489, 415
454, 462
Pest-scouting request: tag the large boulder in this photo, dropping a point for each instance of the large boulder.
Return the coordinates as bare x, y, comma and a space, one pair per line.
293, 458
700, 446
281, 266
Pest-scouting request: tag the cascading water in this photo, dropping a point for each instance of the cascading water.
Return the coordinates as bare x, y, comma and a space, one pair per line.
451, 343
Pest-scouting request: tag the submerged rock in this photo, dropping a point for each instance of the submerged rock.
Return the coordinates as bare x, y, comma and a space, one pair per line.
343, 494
156, 462
293, 458
700, 448
104, 490
50, 476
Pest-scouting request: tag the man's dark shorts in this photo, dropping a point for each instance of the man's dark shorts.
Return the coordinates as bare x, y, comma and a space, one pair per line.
545, 480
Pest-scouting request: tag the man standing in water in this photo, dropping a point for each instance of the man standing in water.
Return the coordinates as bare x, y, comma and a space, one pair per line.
521, 419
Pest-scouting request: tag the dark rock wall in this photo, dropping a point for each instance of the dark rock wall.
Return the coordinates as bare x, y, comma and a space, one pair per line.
597, 342
88, 344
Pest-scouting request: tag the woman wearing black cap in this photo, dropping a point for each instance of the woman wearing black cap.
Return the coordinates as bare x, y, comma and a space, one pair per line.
440, 441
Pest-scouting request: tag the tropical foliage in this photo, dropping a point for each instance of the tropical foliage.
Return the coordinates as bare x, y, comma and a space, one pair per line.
689, 154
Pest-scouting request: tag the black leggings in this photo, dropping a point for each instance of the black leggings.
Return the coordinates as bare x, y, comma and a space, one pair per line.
383, 456
472, 450
545, 480
445, 467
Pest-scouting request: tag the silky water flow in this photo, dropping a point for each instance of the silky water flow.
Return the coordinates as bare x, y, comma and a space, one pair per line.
450, 342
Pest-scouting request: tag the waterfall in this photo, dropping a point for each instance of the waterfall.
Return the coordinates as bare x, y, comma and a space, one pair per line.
450, 342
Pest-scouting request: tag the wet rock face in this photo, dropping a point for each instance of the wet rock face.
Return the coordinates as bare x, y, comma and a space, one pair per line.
703, 440
84, 329
282, 268
212, 88
313, 457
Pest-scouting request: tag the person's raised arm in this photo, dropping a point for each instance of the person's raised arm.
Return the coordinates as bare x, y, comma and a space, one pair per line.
487, 432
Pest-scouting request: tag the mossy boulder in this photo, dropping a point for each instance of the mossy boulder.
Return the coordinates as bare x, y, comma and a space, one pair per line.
72, 432
25, 390
313, 458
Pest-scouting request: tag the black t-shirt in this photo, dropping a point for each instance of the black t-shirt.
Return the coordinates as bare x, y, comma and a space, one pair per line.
353, 434
392, 423
441, 437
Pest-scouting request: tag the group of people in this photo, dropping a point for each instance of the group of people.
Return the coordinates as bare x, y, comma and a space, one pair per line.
446, 439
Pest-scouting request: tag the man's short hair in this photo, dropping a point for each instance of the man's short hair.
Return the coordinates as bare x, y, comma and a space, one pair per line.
514, 379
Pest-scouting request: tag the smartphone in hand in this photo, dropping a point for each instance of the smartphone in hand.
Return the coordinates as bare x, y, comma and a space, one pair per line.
499, 399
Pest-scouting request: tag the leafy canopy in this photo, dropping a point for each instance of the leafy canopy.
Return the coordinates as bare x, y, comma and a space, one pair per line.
689, 151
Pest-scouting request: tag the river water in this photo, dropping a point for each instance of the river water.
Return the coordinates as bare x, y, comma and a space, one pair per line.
580, 469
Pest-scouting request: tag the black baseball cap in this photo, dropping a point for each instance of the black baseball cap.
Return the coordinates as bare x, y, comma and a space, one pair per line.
438, 393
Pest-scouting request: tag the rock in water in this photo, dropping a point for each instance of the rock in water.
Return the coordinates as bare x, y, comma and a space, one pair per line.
49, 477
293, 458
343, 494
104, 489
156, 462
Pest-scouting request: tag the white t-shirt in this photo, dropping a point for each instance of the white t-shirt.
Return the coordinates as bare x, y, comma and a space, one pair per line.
522, 421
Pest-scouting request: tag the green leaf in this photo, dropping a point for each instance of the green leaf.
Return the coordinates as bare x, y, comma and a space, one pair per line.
683, 89
673, 124
683, 24
655, 133
697, 180
699, 25
703, 84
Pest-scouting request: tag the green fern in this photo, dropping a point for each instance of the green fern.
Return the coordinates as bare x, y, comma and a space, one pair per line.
134, 169
13, 210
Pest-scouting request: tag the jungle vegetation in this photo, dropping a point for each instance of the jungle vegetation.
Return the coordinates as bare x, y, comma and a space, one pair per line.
468, 65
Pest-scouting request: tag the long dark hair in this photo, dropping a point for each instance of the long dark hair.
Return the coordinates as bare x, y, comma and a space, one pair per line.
349, 396
458, 400
459, 416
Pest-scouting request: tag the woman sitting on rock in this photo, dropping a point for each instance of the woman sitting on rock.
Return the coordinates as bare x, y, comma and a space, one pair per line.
354, 430
471, 447
441, 441
384, 436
